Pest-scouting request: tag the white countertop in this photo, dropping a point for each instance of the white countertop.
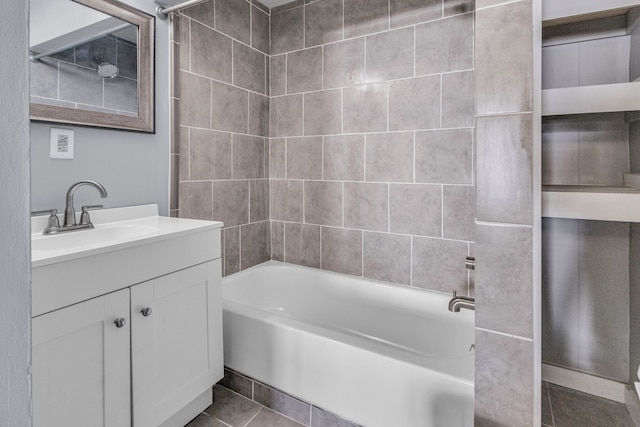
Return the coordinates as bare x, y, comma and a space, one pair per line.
115, 229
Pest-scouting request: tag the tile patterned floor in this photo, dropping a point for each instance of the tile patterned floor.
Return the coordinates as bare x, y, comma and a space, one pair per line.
230, 409
561, 407
564, 407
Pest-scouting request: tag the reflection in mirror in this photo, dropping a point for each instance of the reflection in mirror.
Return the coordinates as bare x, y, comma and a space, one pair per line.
91, 68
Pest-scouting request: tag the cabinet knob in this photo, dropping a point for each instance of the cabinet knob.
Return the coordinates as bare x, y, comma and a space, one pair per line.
146, 312
120, 322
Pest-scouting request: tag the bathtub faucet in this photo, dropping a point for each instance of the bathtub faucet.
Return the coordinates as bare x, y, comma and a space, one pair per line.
456, 303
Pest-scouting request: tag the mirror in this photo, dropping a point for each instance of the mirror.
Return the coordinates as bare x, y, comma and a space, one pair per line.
92, 64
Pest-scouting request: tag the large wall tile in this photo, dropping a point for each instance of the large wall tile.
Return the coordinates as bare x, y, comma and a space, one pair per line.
445, 45
458, 99
561, 291
415, 209
504, 385
287, 31
344, 63
387, 257
304, 158
231, 202
323, 112
439, 265
233, 17
277, 158
260, 30
304, 70
323, 22
195, 104
249, 68
231, 250
209, 155
560, 154
343, 157
195, 200
323, 203
456, 7
203, 12
286, 197
504, 59
117, 94
79, 84
278, 74
258, 114
504, 270
415, 103
259, 200
230, 107
504, 185
365, 17
210, 53
459, 202
302, 244
366, 206
248, 157
254, 244
604, 153
342, 250
277, 240
444, 156
286, 116
409, 12
389, 157
185, 153
604, 259
390, 55
365, 108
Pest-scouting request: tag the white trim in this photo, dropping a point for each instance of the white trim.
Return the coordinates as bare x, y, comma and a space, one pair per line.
585, 383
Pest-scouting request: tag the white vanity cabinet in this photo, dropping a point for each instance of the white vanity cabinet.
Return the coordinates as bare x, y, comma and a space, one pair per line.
128, 333
81, 364
176, 348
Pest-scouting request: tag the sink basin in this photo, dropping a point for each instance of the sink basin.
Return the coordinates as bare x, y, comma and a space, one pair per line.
128, 245
89, 238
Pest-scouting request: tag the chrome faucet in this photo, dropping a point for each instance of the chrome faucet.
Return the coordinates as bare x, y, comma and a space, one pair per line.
456, 303
70, 223
69, 210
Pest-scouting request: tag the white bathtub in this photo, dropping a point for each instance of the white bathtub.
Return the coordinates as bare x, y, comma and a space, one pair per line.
375, 354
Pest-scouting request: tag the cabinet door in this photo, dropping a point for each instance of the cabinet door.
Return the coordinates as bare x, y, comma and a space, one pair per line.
81, 365
176, 350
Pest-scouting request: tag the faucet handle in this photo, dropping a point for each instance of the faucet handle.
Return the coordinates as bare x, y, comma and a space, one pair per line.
53, 223
84, 218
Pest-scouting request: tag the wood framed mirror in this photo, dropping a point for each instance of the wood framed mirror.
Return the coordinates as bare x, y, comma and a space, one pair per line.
92, 64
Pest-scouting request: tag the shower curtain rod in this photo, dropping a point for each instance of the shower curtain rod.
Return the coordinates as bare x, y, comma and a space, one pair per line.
163, 12
35, 57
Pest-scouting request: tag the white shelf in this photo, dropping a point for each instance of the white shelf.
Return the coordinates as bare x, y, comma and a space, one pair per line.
591, 99
555, 12
592, 203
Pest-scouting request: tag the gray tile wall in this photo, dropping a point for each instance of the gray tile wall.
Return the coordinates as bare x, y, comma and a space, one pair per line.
507, 386
371, 151
585, 279
69, 78
220, 160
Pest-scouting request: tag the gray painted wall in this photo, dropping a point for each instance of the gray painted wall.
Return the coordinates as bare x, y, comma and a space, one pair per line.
15, 288
134, 167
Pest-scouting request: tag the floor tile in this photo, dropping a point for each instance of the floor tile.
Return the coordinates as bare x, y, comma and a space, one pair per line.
268, 418
205, 420
572, 408
231, 407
